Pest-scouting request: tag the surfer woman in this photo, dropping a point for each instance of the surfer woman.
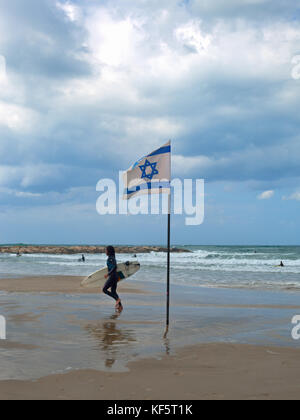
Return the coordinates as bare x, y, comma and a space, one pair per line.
112, 277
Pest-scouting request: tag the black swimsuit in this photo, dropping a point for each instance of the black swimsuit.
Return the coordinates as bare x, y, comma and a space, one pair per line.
112, 282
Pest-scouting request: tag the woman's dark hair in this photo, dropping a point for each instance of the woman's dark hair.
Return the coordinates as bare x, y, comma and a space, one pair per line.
111, 251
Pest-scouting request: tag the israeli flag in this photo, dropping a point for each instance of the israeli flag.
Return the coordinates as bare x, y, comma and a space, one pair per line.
149, 175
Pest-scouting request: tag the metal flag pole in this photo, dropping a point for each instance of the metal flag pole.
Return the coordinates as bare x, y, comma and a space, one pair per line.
168, 262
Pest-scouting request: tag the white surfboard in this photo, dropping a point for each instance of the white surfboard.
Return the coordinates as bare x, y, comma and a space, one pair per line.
124, 270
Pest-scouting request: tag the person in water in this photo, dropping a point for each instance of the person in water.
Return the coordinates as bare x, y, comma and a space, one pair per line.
281, 264
83, 258
112, 278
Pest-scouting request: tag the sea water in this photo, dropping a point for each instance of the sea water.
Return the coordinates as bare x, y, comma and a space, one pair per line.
204, 266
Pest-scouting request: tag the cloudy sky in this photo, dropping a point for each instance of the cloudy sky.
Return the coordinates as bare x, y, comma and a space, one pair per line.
88, 86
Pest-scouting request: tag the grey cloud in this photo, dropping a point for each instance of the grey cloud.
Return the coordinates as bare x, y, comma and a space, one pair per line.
258, 10
234, 119
264, 164
39, 42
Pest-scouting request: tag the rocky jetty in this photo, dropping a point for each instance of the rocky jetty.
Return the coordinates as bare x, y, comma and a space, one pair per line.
71, 250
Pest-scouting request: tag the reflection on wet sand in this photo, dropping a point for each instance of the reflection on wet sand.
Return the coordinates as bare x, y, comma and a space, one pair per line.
167, 346
111, 338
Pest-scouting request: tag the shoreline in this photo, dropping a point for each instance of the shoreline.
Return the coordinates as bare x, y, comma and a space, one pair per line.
206, 371
59, 285
71, 285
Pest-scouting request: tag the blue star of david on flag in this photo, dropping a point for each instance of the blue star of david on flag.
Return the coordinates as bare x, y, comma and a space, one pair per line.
149, 175
144, 168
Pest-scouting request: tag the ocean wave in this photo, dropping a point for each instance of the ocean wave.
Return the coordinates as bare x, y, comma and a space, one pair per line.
211, 266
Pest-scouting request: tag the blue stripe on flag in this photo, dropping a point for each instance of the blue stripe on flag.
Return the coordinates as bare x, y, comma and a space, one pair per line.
161, 151
148, 186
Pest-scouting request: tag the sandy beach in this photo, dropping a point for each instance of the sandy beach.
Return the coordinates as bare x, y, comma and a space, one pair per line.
55, 284
65, 342
212, 371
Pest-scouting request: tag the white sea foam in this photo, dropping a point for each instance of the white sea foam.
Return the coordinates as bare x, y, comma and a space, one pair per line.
209, 266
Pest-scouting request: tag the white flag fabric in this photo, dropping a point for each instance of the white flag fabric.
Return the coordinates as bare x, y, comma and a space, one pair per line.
149, 175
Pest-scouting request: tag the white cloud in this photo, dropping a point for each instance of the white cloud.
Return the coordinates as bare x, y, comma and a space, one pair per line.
295, 196
114, 41
16, 117
8, 175
132, 51
22, 194
13, 114
19, 194
2, 69
296, 67
184, 165
155, 127
29, 175
191, 36
266, 195
71, 11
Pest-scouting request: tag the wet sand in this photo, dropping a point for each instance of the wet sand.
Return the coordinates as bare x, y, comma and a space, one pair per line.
71, 284
210, 371
56, 284
216, 348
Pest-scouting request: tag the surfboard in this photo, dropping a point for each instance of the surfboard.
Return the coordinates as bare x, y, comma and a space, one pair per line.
124, 270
